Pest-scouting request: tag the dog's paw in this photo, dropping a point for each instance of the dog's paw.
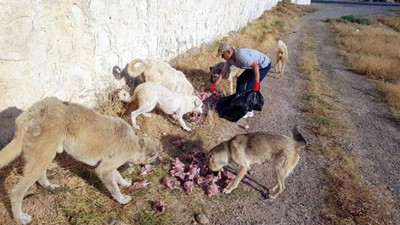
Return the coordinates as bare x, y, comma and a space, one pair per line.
52, 187
126, 183
228, 191
125, 199
187, 128
136, 126
24, 219
146, 114
271, 197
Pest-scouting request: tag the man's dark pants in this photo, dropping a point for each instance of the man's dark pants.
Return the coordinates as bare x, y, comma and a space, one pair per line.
246, 80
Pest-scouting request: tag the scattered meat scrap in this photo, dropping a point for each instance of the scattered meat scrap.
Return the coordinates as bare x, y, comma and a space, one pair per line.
159, 206
145, 169
210, 100
140, 184
196, 172
178, 143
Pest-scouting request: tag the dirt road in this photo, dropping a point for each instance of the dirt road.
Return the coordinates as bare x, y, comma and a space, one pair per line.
376, 140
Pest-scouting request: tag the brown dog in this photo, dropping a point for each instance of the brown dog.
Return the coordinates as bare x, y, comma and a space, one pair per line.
50, 126
248, 149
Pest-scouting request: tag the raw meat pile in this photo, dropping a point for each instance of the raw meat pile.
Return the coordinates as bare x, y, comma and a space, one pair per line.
210, 100
196, 172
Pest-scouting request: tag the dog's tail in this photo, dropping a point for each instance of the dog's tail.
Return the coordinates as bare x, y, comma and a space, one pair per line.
282, 48
11, 151
132, 71
301, 141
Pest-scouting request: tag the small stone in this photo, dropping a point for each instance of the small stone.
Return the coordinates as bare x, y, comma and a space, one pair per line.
202, 218
246, 127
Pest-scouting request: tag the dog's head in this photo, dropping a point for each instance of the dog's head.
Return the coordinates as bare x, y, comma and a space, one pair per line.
214, 73
149, 149
217, 158
197, 105
124, 96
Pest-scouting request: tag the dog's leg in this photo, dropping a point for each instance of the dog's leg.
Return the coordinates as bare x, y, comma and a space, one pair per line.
242, 172
36, 164
146, 114
231, 85
121, 181
108, 177
280, 68
283, 165
144, 108
181, 122
283, 67
46, 184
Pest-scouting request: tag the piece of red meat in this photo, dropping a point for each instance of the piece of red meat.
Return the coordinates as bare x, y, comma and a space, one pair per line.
145, 169
212, 189
188, 186
140, 184
159, 206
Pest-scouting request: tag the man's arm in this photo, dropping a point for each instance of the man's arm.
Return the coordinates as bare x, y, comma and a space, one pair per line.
256, 71
221, 75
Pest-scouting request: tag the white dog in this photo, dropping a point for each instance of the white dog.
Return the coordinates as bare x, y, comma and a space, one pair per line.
232, 73
281, 58
157, 71
150, 95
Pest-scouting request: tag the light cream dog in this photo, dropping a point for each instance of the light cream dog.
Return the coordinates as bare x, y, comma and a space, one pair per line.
232, 73
281, 58
248, 149
150, 95
157, 71
50, 126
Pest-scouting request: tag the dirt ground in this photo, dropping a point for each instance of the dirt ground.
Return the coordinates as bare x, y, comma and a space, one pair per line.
375, 140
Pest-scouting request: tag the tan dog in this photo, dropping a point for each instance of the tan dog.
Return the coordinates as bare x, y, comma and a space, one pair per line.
248, 149
50, 126
157, 71
151, 95
281, 58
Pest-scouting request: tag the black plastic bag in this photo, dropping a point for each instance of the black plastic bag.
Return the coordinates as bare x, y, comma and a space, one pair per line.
227, 111
251, 100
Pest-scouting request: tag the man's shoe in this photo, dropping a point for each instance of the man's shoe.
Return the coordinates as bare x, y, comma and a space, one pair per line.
248, 115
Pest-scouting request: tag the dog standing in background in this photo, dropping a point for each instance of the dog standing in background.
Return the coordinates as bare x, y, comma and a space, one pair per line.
281, 58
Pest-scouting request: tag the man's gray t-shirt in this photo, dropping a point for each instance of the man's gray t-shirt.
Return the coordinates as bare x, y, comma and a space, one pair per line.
244, 57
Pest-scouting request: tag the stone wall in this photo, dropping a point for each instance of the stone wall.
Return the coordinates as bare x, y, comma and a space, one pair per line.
67, 48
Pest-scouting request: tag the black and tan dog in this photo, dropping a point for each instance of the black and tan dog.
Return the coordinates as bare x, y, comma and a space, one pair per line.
248, 149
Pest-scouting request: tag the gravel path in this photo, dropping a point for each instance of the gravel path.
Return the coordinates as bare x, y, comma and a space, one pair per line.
376, 140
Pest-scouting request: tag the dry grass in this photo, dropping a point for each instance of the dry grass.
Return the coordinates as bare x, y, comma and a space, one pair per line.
392, 97
349, 199
391, 21
86, 201
108, 103
375, 52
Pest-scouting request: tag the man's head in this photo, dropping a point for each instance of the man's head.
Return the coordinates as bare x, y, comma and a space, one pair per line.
225, 50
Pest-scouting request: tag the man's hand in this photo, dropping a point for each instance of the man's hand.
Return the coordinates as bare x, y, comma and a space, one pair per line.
212, 87
256, 86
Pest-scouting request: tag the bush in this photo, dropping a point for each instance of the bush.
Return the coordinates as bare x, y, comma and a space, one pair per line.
351, 19
354, 19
